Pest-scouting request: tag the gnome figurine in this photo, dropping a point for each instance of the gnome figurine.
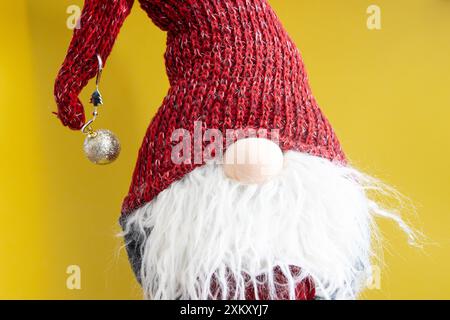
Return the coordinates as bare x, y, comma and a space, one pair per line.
241, 188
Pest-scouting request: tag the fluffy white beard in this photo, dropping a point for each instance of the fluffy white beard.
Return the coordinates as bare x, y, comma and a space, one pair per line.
316, 215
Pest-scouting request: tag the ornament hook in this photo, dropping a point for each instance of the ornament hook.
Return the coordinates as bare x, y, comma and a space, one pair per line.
100, 146
96, 100
100, 70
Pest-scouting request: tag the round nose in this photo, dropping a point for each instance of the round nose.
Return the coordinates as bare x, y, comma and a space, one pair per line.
253, 160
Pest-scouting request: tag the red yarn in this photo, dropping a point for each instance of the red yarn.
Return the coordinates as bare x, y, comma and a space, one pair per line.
305, 290
230, 64
99, 26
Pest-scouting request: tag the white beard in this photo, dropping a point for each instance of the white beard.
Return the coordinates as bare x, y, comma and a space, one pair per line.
316, 215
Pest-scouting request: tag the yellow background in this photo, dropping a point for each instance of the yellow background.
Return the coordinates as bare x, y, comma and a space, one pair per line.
386, 92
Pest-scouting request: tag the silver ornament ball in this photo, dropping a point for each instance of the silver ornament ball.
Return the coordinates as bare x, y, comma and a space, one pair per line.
102, 147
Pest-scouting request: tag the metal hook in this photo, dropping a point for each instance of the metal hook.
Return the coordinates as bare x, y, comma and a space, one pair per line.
87, 129
96, 100
100, 70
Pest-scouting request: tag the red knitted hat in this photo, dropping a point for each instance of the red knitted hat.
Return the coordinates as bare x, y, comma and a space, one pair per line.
231, 65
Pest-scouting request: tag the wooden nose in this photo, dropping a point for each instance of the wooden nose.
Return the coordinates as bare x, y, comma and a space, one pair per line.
253, 160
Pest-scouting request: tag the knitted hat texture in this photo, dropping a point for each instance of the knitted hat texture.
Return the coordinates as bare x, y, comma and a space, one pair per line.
231, 65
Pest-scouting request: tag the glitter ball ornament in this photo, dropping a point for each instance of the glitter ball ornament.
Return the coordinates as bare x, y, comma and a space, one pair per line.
101, 147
